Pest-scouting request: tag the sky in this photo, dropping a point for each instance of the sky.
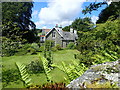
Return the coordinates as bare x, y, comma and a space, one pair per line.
46, 14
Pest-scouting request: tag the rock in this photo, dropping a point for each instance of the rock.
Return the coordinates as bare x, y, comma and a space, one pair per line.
102, 72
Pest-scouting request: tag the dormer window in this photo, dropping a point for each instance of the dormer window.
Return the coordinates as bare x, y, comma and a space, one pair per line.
53, 34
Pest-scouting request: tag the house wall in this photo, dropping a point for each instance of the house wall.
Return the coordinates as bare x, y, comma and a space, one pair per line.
57, 39
66, 42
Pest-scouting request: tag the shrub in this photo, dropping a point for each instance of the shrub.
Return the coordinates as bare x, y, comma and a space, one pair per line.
31, 51
35, 67
20, 53
58, 47
35, 46
71, 45
9, 75
54, 49
48, 44
9, 47
23, 50
42, 48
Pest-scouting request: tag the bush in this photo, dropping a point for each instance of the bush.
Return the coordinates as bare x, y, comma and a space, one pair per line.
71, 45
54, 49
58, 47
20, 53
23, 50
9, 47
48, 44
35, 46
35, 67
42, 48
9, 75
31, 51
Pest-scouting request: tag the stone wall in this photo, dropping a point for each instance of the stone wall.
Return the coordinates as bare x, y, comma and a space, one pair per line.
108, 71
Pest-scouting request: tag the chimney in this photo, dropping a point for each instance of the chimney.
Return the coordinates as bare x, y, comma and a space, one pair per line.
60, 26
75, 31
56, 26
71, 30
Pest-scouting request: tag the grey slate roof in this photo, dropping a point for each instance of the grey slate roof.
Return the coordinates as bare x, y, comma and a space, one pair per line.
69, 36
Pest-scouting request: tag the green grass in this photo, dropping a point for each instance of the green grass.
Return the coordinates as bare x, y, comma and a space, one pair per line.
10, 61
38, 79
64, 55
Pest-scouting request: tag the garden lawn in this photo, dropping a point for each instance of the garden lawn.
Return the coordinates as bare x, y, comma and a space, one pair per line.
39, 79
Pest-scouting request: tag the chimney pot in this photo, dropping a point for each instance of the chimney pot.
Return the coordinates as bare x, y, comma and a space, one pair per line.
71, 30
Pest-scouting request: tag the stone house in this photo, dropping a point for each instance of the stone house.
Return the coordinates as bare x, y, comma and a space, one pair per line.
59, 36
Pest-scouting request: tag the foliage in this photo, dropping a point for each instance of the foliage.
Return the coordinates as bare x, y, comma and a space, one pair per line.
67, 28
100, 57
93, 6
16, 23
35, 46
105, 56
42, 48
72, 70
48, 45
34, 67
104, 38
84, 24
9, 47
46, 68
58, 47
9, 75
27, 48
71, 45
80, 24
112, 10
31, 51
48, 52
23, 49
54, 49
24, 75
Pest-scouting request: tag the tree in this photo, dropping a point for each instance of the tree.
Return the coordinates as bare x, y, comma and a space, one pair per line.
16, 21
67, 28
84, 24
111, 10
93, 6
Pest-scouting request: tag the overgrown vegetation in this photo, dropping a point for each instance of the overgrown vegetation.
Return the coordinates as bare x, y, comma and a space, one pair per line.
9, 75
102, 43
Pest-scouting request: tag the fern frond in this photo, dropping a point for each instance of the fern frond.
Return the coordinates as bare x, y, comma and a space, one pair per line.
24, 75
46, 68
72, 70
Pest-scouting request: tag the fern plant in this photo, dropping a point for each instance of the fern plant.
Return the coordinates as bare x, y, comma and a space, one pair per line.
73, 70
46, 68
24, 75
105, 56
